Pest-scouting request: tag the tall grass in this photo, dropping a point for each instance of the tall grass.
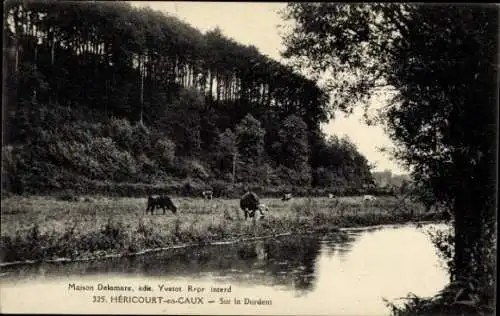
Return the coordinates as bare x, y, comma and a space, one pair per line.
95, 227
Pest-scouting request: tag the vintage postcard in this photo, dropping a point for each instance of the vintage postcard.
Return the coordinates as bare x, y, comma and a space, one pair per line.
248, 158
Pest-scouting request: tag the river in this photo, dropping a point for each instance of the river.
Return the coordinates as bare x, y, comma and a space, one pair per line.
289, 275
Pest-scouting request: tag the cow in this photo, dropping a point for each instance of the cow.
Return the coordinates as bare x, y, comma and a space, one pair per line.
160, 202
331, 196
286, 196
262, 207
369, 198
207, 195
249, 203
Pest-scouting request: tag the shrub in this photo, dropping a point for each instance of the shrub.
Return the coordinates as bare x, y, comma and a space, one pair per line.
164, 152
141, 140
146, 166
192, 169
120, 131
221, 188
189, 188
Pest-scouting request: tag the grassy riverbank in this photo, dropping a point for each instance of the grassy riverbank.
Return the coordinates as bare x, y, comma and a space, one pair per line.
94, 227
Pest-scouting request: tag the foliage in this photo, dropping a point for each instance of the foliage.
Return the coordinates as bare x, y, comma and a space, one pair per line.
139, 70
182, 120
339, 162
460, 297
164, 152
294, 153
160, 105
121, 131
439, 64
225, 150
195, 169
443, 241
250, 139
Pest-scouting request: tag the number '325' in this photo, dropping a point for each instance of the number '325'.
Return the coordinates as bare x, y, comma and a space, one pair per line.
98, 299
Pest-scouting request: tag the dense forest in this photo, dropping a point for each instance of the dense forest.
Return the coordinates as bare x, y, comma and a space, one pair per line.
107, 98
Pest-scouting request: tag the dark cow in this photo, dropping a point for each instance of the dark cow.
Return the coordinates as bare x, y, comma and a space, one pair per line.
249, 203
162, 202
207, 195
286, 197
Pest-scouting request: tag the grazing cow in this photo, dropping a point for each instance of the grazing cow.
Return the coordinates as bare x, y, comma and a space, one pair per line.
249, 203
369, 198
286, 197
331, 196
160, 202
207, 195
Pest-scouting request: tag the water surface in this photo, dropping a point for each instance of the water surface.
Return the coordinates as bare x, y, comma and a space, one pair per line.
298, 274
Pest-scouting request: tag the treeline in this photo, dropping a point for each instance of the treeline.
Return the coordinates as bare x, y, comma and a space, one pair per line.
107, 92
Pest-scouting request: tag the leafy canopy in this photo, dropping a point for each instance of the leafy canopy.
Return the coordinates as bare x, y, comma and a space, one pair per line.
439, 63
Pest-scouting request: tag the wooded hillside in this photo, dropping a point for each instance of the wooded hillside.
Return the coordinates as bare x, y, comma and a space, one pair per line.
103, 94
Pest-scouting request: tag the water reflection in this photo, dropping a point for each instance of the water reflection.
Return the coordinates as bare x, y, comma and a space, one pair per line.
349, 276
332, 247
286, 261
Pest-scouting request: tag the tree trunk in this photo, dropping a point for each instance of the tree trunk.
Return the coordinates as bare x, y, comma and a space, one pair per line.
461, 260
468, 230
141, 67
211, 85
234, 167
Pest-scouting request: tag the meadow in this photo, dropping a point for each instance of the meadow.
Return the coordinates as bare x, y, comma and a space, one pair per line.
47, 228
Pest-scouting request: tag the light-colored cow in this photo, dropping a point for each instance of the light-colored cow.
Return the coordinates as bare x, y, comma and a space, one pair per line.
369, 198
207, 195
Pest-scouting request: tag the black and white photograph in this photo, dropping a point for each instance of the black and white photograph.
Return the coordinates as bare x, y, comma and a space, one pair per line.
249, 158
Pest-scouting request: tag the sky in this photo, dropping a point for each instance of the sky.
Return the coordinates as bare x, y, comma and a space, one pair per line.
257, 24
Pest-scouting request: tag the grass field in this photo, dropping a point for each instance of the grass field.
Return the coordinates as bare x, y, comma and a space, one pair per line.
41, 228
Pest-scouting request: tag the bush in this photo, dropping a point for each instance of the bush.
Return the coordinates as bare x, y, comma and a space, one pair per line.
120, 131
191, 188
221, 188
164, 152
147, 166
194, 169
294, 177
142, 140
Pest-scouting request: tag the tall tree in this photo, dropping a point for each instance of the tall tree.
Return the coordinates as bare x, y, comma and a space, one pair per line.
294, 152
225, 152
182, 120
250, 139
250, 142
440, 61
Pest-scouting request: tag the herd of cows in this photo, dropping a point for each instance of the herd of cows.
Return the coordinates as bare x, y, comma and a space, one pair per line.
249, 203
